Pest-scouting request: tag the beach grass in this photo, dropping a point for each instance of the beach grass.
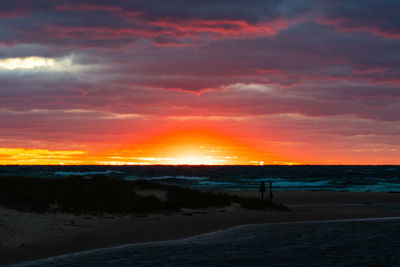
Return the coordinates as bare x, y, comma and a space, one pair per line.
102, 194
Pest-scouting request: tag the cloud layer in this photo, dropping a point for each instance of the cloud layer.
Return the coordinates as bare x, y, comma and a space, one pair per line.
77, 74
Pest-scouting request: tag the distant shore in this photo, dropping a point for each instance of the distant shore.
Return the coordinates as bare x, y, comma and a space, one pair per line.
29, 236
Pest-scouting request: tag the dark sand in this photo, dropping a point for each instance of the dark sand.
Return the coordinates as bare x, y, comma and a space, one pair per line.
29, 236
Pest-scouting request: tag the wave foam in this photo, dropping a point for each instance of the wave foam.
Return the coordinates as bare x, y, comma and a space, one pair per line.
179, 177
108, 172
299, 184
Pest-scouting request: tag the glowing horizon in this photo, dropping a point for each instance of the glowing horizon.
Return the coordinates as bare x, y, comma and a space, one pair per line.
180, 145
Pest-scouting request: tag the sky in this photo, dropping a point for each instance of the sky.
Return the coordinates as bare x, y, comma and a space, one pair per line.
199, 82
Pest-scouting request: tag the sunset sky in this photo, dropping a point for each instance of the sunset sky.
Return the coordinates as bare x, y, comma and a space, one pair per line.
199, 82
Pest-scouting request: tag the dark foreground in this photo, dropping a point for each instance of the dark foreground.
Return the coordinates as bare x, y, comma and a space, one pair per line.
57, 229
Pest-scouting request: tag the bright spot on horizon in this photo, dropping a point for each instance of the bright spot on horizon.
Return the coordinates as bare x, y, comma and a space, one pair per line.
192, 159
35, 63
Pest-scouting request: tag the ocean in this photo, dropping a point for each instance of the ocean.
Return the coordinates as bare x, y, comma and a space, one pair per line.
371, 242
304, 178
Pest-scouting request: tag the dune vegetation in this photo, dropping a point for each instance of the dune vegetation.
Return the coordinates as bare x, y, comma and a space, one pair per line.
101, 194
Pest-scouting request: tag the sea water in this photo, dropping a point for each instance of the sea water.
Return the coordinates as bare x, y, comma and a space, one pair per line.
373, 242
331, 178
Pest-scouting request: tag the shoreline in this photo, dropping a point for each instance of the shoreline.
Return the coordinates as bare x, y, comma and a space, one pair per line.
52, 235
199, 235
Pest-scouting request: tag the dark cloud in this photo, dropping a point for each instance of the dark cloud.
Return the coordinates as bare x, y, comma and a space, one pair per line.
377, 17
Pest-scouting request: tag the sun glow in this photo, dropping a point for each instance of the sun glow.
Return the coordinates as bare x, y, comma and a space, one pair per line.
192, 146
178, 147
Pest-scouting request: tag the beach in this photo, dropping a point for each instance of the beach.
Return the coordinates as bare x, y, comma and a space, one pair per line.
30, 236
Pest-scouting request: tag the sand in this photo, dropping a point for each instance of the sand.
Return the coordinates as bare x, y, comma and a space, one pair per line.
28, 236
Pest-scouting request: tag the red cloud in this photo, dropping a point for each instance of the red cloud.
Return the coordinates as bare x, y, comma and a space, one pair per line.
222, 27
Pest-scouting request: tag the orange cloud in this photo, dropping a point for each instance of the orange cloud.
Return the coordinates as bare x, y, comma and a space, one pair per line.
22, 156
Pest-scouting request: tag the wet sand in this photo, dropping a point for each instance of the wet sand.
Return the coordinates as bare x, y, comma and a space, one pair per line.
29, 236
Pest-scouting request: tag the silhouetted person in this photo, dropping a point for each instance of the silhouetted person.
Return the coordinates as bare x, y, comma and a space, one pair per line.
262, 189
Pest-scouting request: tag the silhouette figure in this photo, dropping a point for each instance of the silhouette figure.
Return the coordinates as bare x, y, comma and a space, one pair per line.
262, 189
